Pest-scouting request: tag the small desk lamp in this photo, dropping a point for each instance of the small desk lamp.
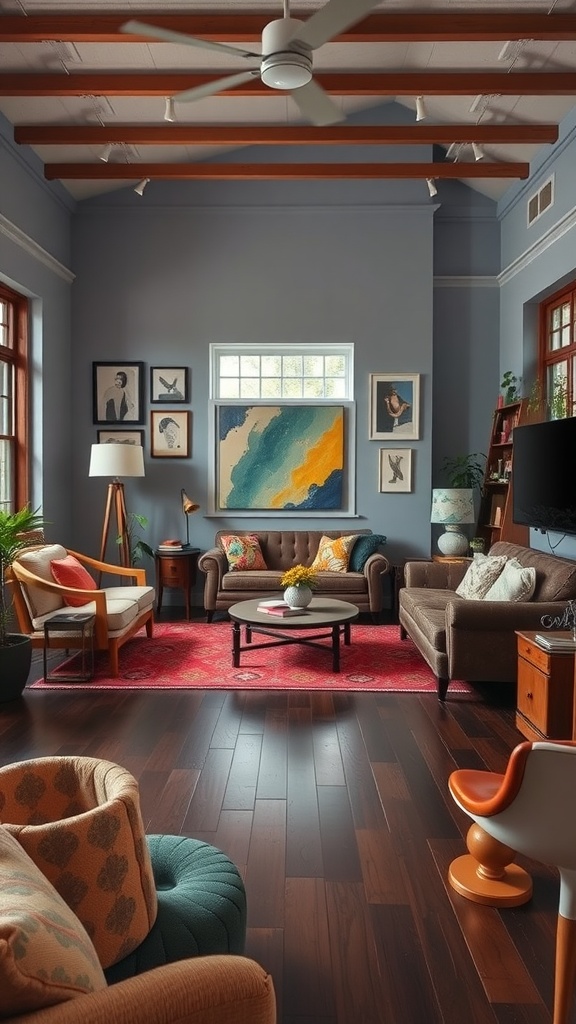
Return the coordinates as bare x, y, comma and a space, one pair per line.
452, 506
116, 460
188, 507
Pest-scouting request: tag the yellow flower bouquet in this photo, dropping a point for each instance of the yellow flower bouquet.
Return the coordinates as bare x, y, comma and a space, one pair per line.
299, 576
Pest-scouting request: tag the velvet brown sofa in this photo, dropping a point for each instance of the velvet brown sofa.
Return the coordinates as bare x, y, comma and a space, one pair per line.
282, 549
476, 640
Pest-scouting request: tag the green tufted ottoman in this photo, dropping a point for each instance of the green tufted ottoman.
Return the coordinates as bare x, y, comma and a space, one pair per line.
201, 906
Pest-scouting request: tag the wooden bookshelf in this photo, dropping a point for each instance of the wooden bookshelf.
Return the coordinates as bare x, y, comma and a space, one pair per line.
495, 515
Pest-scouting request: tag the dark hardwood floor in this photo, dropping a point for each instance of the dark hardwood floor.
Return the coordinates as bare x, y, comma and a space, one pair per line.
336, 809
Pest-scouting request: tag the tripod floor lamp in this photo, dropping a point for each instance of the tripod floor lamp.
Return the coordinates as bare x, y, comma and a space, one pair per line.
116, 460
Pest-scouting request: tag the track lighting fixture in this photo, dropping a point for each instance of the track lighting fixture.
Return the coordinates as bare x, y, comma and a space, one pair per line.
506, 50
476, 103
169, 114
433, 191
105, 154
420, 109
478, 151
139, 188
453, 151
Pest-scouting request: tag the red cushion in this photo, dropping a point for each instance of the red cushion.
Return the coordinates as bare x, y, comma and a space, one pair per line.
68, 572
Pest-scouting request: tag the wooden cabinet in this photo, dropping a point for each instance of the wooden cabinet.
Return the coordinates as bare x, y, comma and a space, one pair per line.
495, 517
545, 696
176, 569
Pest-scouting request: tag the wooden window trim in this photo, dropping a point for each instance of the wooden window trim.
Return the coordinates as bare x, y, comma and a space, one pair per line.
17, 355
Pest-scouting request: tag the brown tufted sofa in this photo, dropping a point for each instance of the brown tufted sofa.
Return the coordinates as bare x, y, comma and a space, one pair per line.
476, 640
282, 549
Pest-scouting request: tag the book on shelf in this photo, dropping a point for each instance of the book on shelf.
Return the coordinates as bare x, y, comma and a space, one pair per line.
556, 641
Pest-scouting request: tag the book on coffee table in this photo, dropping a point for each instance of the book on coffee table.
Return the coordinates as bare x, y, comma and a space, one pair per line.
278, 607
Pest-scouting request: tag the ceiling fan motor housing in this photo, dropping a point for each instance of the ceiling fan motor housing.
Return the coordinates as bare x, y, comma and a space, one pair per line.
286, 63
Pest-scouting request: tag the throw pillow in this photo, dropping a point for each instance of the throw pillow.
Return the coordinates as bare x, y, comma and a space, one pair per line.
46, 956
37, 561
69, 572
515, 583
482, 572
333, 553
243, 552
366, 545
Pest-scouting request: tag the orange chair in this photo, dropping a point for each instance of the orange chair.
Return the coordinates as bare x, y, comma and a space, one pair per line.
528, 810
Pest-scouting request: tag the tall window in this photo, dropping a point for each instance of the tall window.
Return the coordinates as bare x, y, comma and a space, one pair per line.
14, 484
282, 373
558, 352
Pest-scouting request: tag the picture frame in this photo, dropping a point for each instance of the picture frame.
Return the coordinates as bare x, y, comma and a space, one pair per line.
121, 437
170, 434
168, 385
395, 471
268, 461
394, 407
117, 393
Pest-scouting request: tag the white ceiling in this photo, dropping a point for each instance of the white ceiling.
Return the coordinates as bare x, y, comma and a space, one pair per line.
54, 57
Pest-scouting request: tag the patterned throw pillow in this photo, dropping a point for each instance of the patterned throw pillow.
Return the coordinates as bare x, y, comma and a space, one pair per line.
69, 572
243, 552
46, 956
366, 545
333, 553
515, 583
482, 572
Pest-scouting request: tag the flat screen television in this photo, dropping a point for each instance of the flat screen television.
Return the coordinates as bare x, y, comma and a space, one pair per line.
544, 475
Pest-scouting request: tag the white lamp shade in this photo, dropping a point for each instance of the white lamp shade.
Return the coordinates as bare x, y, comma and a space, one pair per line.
452, 505
116, 460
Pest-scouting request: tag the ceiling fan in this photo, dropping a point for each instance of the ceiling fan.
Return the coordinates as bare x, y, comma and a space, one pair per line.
286, 58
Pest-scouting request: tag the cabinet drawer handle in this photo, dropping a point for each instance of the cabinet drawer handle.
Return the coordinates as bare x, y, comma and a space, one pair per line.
529, 695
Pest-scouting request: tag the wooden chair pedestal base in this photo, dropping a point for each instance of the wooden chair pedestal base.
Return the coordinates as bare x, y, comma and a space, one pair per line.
487, 874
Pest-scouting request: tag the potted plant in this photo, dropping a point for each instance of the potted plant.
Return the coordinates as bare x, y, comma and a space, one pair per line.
510, 385
467, 472
15, 648
138, 548
299, 582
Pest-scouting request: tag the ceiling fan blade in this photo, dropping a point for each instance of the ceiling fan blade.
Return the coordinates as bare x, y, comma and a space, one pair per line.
140, 28
316, 105
332, 19
211, 88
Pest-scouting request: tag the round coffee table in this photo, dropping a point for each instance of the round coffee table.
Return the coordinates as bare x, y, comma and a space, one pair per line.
321, 612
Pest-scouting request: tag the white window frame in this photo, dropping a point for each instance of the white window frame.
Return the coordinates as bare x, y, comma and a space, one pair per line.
348, 509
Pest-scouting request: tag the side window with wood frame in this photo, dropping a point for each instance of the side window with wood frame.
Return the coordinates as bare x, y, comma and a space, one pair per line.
557, 358
14, 461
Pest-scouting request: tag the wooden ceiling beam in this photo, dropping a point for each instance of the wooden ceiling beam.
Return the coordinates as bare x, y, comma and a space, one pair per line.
287, 172
292, 135
456, 83
453, 26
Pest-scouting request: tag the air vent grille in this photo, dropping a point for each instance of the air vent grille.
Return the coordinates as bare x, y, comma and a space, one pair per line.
541, 201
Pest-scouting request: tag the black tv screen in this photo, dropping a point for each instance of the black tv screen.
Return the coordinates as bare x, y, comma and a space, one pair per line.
544, 477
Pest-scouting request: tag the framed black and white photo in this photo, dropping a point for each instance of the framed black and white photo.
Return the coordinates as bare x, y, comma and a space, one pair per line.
394, 406
395, 471
170, 434
168, 384
118, 392
121, 437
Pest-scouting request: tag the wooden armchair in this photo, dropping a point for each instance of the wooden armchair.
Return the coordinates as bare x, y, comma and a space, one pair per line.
120, 611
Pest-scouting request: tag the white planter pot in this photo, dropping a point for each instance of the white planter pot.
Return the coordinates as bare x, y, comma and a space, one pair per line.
298, 597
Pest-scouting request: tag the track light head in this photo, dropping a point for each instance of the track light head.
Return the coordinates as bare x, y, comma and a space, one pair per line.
169, 114
105, 154
478, 151
506, 50
476, 103
420, 109
139, 188
432, 190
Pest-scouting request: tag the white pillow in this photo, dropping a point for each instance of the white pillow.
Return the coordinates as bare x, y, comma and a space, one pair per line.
37, 561
515, 583
482, 572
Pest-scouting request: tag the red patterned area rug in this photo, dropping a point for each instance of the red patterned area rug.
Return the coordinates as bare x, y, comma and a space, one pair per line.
190, 656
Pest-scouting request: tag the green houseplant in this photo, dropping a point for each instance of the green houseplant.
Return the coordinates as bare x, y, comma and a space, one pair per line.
15, 648
510, 385
467, 472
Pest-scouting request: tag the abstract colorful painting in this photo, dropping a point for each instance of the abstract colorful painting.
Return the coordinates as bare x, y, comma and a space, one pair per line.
283, 457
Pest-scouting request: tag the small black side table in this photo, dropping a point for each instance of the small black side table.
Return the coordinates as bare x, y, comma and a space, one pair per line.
176, 569
72, 624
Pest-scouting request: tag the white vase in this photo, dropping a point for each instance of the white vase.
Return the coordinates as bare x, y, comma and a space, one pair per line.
298, 597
